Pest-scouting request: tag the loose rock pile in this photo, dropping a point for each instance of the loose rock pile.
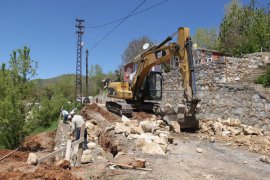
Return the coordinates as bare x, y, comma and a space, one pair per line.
150, 135
233, 132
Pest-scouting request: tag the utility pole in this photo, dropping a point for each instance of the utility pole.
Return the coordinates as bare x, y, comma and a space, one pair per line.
86, 79
80, 32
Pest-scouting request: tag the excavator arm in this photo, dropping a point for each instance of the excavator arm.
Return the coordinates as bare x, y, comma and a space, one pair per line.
141, 88
162, 53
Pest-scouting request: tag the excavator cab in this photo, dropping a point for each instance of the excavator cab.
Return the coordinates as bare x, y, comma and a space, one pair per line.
152, 86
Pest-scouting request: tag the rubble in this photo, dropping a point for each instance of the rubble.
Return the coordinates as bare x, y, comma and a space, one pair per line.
212, 139
235, 133
265, 159
122, 143
199, 150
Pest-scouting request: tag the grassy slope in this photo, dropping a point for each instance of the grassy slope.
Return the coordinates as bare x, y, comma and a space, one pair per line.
51, 128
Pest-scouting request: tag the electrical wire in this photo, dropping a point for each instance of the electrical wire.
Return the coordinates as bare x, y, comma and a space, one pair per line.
115, 27
103, 10
139, 12
86, 9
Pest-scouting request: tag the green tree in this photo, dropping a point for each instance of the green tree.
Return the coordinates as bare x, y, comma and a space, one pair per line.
206, 38
15, 100
244, 29
134, 48
49, 109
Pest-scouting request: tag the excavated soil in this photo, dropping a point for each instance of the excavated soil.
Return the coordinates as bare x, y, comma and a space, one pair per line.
39, 142
15, 167
140, 115
87, 110
15, 156
44, 171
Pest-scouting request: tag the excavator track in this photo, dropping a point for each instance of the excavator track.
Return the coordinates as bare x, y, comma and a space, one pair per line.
120, 108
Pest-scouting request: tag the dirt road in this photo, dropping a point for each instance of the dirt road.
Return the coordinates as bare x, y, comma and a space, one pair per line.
228, 158
217, 161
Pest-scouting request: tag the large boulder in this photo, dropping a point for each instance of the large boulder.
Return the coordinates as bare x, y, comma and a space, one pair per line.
91, 145
235, 130
93, 132
132, 123
175, 126
148, 145
89, 125
152, 148
163, 143
129, 160
148, 126
231, 122
32, 159
86, 156
136, 130
133, 136
122, 128
217, 127
125, 120
248, 130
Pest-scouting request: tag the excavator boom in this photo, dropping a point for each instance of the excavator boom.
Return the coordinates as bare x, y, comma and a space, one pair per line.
143, 86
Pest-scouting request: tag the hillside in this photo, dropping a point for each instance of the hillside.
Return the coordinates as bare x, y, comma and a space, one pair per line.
66, 84
55, 80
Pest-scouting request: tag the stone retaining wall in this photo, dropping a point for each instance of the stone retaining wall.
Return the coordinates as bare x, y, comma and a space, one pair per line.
222, 94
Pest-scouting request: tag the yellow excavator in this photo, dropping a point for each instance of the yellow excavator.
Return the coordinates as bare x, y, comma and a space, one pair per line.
146, 87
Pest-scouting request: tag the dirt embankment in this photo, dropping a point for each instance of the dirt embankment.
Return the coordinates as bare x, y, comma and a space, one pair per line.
39, 142
15, 167
90, 111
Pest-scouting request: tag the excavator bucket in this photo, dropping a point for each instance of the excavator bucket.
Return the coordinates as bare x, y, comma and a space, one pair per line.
183, 114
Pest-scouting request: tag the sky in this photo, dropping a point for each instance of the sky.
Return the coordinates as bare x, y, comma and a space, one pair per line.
47, 27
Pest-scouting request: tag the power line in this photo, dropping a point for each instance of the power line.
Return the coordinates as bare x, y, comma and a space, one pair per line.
107, 4
139, 12
87, 8
115, 27
96, 10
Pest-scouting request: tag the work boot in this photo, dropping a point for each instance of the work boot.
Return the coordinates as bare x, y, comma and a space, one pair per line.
84, 146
